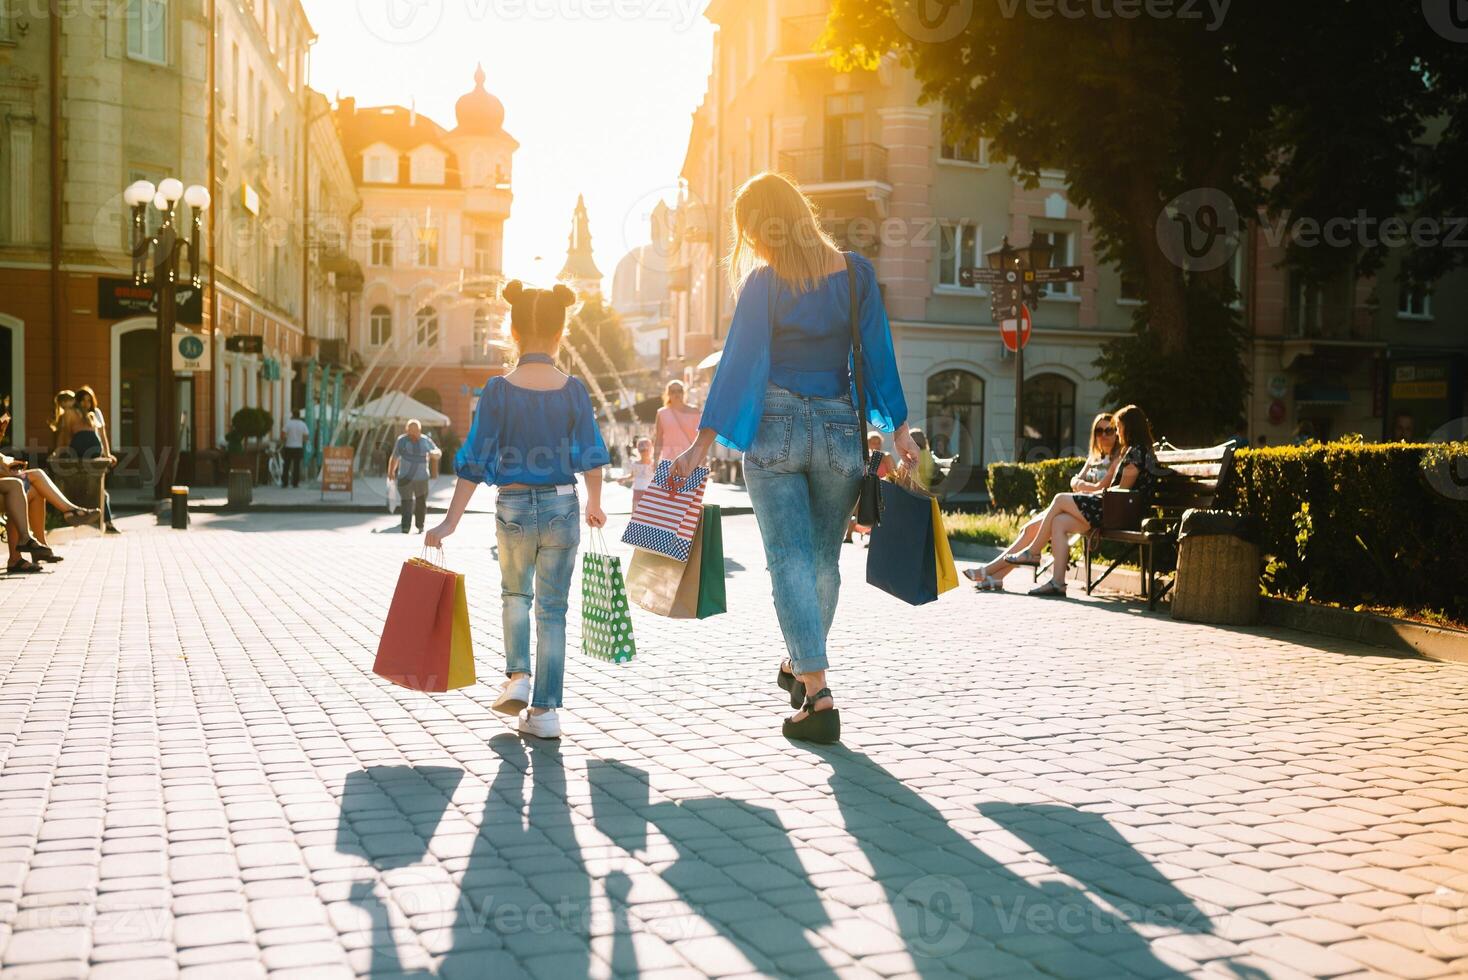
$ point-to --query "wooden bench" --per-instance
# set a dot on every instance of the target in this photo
(1192, 480)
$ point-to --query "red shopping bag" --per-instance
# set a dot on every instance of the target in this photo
(417, 638)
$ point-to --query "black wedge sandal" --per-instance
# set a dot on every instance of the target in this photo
(792, 685)
(39, 551)
(820, 727)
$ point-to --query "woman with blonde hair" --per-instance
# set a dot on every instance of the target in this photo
(783, 396)
(677, 423)
(1100, 468)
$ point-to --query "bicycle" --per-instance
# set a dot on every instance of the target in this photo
(275, 465)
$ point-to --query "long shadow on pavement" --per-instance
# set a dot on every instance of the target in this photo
(958, 908)
(731, 856)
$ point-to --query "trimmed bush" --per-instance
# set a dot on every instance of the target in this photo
(1355, 523)
(1025, 487)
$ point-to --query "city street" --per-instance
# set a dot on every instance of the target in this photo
(203, 778)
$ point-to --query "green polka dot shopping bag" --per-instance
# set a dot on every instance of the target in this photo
(606, 622)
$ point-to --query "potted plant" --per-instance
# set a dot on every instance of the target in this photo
(246, 429)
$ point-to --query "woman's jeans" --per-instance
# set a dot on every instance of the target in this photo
(804, 473)
(538, 532)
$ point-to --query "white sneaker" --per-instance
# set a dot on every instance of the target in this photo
(544, 725)
(515, 697)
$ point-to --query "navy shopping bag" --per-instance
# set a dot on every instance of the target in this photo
(902, 560)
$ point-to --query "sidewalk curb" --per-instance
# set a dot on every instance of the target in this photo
(1415, 639)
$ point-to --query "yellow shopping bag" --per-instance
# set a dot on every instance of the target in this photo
(947, 571)
(461, 648)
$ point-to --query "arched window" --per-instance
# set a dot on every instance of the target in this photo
(428, 327)
(1050, 417)
(481, 329)
(429, 397)
(955, 428)
(379, 326)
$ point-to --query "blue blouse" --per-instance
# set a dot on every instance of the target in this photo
(539, 438)
(801, 341)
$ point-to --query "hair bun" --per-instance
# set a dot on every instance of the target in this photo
(565, 294)
(513, 290)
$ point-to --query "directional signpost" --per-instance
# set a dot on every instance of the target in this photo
(1015, 277)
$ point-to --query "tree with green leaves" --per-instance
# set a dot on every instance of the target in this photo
(1312, 109)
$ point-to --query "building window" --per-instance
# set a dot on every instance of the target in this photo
(484, 253)
(975, 150)
(428, 248)
(380, 168)
(1050, 418)
(382, 248)
(5, 20)
(845, 130)
(1130, 290)
(1062, 252)
(250, 108)
(147, 30)
(379, 328)
(481, 329)
(427, 327)
(956, 427)
(1414, 301)
(1307, 307)
(960, 246)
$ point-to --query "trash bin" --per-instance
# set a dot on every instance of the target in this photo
(241, 489)
(1217, 569)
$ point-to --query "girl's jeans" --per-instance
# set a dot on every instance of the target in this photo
(538, 533)
(804, 474)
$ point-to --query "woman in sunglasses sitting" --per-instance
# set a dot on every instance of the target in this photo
(1096, 475)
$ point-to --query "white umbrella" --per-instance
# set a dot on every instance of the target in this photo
(710, 362)
(398, 407)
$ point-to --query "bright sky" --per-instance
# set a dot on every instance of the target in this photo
(600, 94)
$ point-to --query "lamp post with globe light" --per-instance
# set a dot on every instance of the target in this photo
(167, 247)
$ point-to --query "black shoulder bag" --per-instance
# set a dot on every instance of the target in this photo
(869, 504)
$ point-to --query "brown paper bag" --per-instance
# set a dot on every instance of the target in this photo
(666, 586)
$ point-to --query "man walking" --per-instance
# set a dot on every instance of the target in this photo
(414, 457)
(295, 435)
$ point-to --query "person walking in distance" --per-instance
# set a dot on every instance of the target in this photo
(295, 434)
(534, 430)
(677, 423)
(414, 459)
(783, 395)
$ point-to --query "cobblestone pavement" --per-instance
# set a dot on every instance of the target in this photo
(202, 777)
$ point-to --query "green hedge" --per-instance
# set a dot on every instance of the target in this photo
(1030, 486)
(1381, 524)
(1352, 523)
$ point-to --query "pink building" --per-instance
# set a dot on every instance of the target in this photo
(430, 242)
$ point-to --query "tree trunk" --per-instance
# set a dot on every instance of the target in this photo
(1166, 294)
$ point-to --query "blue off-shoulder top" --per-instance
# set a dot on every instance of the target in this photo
(801, 341)
(539, 438)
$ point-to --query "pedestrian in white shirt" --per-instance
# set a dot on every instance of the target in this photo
(296, 433)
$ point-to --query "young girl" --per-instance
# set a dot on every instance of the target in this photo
(533, 432)
(640, 471)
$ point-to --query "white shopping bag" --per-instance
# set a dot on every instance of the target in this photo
(393, 499)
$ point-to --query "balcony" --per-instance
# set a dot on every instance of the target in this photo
(843, 166)
(799, 35)
(487, 202)
(481, 285)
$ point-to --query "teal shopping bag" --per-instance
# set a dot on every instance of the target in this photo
(712, 599)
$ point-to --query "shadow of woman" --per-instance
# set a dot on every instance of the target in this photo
(953, 904)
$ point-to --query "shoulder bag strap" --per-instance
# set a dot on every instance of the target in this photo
(859, 374)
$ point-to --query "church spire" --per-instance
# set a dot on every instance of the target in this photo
(580, 269)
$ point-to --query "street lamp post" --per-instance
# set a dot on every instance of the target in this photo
(167, 248)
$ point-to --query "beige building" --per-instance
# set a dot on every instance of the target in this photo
(132, 93)
(889, 185)
(430, 241)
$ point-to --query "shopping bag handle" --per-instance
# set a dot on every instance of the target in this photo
(426, 556)
(599, 542)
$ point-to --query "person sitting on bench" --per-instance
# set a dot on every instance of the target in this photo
(1097, 474)
(1078, 513)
